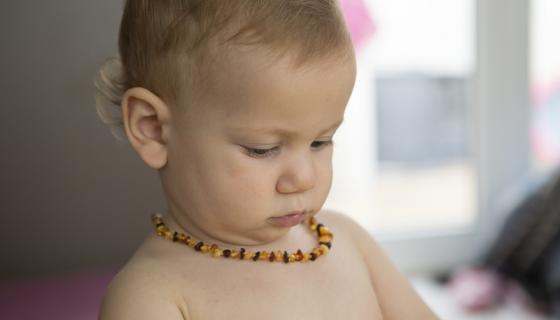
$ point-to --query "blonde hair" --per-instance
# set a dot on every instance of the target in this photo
(165, 46)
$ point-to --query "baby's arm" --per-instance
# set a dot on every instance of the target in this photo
(397, 298)
(132, 295)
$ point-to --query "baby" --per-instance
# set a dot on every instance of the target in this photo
(235, 104)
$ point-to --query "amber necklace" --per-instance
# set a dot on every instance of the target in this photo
(323, 234)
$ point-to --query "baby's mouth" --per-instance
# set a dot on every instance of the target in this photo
(289, 220)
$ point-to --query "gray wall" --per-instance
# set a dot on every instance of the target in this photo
(72, 198)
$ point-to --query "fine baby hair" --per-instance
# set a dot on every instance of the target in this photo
(172, 47)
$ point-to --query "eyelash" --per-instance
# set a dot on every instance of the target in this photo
(263, 153)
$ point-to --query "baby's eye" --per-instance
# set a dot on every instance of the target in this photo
(260, 153)
(321, 144)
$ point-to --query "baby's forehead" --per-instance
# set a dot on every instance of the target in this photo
(241, 65)
(252, 93)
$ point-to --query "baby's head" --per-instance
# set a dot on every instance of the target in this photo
(235, 104)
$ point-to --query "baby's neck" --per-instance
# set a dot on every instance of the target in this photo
(298, 237)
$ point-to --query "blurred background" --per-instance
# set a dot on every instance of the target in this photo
(454, 122)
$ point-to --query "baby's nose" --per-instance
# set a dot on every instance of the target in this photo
(298, 175)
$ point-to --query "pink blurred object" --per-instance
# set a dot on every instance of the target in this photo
(360, 23)
(76, 296)
(477, 289)
(545, 132)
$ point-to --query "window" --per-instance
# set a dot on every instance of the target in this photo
(545, 84)
(436, 133)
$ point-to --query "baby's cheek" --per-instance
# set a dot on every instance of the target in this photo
(324, 166)
(324, 177)
(248, 177)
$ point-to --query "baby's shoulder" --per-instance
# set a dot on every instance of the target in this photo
(391, 287)
(343, 225)
(141, 290)
(351, 237)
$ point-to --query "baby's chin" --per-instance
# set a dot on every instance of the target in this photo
(269, 238)
(281, 232)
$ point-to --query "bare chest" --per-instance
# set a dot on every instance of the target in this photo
(324, 289)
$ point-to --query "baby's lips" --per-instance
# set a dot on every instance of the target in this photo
(289, 220)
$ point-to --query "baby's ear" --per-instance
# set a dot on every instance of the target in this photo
(146, 120)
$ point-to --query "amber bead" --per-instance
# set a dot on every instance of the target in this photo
(167, 234)
(312, 256)
(328, 244)
(242, 253)
(264, 255)
(313, 222)
(272, 257)
(226, 253)
(326, 233)
(217, 253)
(286, 258)
(204, 248)
(319, 226)
(234, 253)
(278, 256)
(256, 256)
(249, 255)
(299, 255)
(198, 246)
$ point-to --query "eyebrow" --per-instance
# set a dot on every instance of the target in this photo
(280, 131)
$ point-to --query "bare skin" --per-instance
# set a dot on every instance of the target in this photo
(165, 280)
(258, 148)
